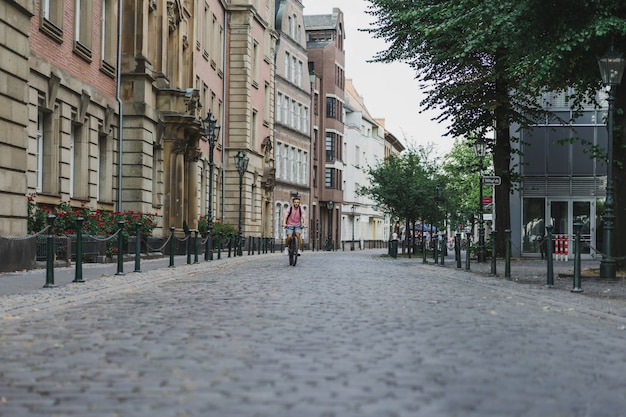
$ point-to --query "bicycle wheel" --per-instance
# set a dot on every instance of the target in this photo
(293, 251)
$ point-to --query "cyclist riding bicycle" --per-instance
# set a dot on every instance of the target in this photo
(294, 220)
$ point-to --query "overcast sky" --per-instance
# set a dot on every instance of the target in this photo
(390, 91)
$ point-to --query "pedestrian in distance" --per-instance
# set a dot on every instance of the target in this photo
(294, 220)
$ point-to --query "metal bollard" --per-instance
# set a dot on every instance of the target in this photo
(467, 254)
(187, 249)
(195, 246)
(78, 272)
(507, 261)
(120, 248)
(219, 246)
(172, 246)
(50, 253)
(443, 251)
(550, 276)
(435, 247)
(577, 227)
(457, 249)
(137, 248)
(493, 253)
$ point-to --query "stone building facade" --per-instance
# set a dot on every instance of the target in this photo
(292, 145)
(72, 119)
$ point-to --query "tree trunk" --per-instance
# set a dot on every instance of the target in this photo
(501, 164)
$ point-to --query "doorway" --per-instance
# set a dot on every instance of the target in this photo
(563, 214)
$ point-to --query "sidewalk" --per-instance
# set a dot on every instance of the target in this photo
(525, 271)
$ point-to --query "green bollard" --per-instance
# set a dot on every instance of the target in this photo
(550, 278)
(187, 243)
(219, 246)
(137, 248)
(577, 227)
(78, 273)
(443, 251)
(467, 254)
(195, 246)
(507, 262)
(50, 253)
(424, 249)
(493, 253)
(172, 246)
(457, 249)
(120, 249)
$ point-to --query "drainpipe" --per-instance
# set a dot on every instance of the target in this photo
(120, 130)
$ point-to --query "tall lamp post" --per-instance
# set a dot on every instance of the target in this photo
(480, 148)
(211, 132)
(329, 241)
(611, 69)
(241, 162)
(353, 208)
(436, 235)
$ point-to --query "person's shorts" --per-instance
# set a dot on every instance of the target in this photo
(293, 229)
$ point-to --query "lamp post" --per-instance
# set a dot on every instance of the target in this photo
(436, 235)
(611, 69)
(480, 148)
(241, 162)
(329, 241)
(211, 132)
(353, 208)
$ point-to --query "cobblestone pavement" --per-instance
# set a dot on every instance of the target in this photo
(342, 334)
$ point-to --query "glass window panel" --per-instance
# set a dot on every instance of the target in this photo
(558, 151)
(533, 228)
(583, 162)
(582, 212)
(534, 151)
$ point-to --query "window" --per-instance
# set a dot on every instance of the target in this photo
(287, 61)
(82, 28)
(330, 178)
(254, 132)
(305, 167)
(279, 104)
(292, 114)
(305, 120)
(266, 108)
(40, 150)
(255, 62)
(52, 18)
(206, 41)
(331, 107)
(299, 74)
(48, 127)
(108, 41)
(105, 168)
(294, 70)
(330, 147)
(299, 117)
(286, 111)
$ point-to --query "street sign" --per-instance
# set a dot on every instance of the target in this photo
(487, 200)
(492, 180)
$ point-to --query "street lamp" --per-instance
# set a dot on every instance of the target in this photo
(211, 132)
(611, 69)
(480, 148)
(241, 162)
(329, 241)
(436, 236)
(353, 208)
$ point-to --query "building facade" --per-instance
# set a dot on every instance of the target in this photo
(73, 119)
(14, 115)
(292, 140)
(325, 44)
(562, 182)
(364, 144)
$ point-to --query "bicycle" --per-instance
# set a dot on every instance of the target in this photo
(293, 248)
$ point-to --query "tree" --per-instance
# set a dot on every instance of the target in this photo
(462, 51)
(485, 63)
(404, 185)
(461, 172)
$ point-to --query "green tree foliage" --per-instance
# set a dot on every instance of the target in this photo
(404, 185)
(484, 64)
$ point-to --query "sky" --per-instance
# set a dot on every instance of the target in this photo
(390, 91)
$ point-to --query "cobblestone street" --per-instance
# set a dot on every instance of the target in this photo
(345, 334)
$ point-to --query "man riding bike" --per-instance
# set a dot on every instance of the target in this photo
(294, 220)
